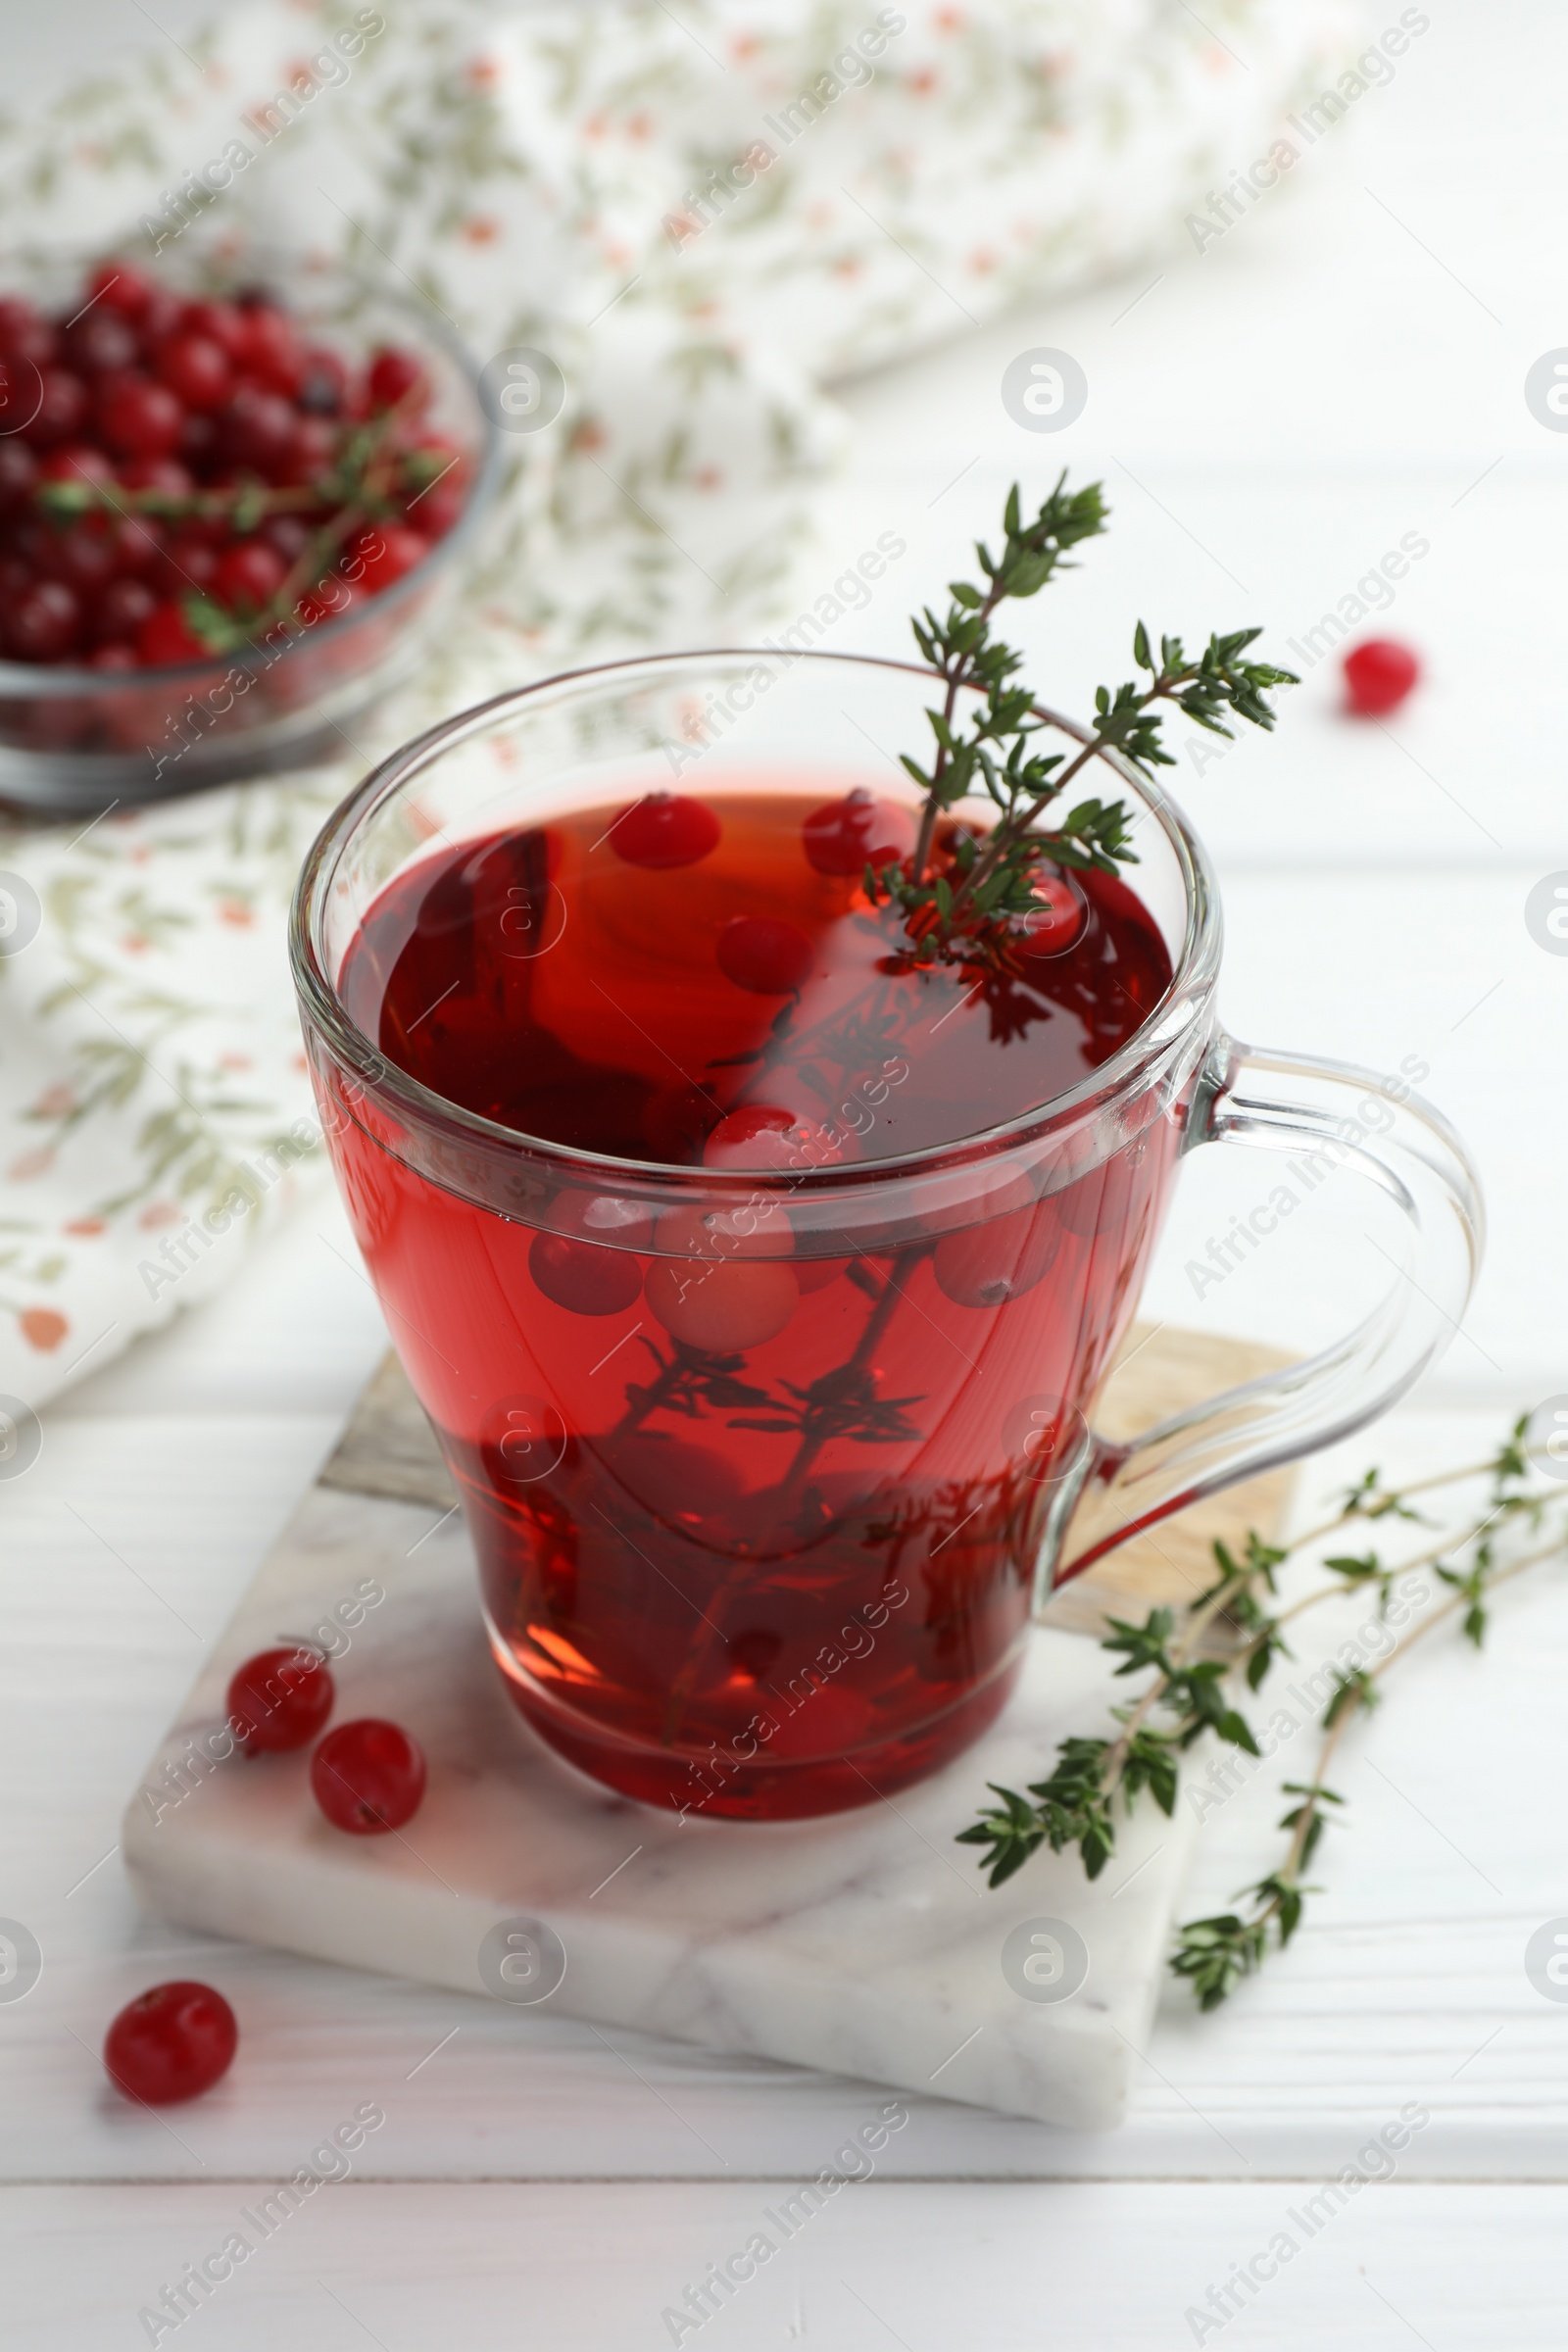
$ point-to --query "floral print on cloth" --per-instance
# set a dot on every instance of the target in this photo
(705, 215)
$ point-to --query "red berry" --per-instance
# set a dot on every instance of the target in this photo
(219, 323)
(1378, 675)
(197, 371)
(308, 457)
(271, 349)
(141, 419)
(398, 376)
(170, 2042)
(665, 829)
(387, 554)
(84, 557)
(770, 957)
(100, 343)
(440, 510)
(160, 319)
(140, 543)
(584, 1277)
(61, 413)
(248, 576)
(323, 385)
(124, 606)
(19, 471)
(44, 623)
(844, 837)
(118, 286)
(189, 562)
(114, 658)
(280, 1698)
(158, 474)
(760, 1135)
(255, 427)
(77, 461)
(199, 441)
(1054, 922)
(23, 335)
(368, 1777)
(164, 641)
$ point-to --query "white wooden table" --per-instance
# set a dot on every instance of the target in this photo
(1344, 368)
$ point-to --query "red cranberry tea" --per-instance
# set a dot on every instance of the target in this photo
(755, 1517)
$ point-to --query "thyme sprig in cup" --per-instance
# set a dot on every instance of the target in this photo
(974, 904)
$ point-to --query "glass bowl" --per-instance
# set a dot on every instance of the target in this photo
(72, 740)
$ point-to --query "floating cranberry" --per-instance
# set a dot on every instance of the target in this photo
(124, 608)
(61, 412)
(985, 1265)
(112, 658)
(845, 837)
(398, 376)
(1378, 675)
(770, 957)
(721, 1306)
(665, 829)
(368, 1777)
(141, 419)
(248, 575)
(171, 2042)
(44, 623)
(762, 1135)
(584, 1277)
(756, 1229)
(1055, 922)
(166, 641)
(196, 371)
(387, 554)
(280, 1699)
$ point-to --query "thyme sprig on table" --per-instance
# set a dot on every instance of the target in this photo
(1190, 1693)
(960, 896)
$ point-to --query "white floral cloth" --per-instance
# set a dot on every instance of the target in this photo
(705, 213)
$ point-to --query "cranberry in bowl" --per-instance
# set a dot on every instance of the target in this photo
(237, 489)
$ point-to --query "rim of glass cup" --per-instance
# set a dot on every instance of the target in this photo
(40, 680)
(1125, 1073)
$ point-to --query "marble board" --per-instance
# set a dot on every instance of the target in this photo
(866, 1944)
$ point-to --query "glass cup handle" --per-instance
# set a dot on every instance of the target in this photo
(1323, 1115)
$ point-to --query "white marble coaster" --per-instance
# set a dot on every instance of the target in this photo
(866, 1944)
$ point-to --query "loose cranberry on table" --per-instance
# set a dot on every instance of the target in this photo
(368, 1777)
(1378, 675)
(280, 1698)
(171, 2042)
